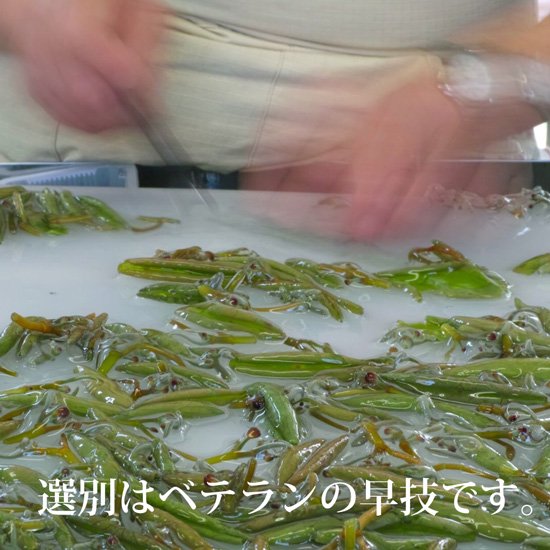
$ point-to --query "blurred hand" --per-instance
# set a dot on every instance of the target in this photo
(395, 159)
(79, 56)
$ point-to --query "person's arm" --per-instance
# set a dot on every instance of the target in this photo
(515, 32)
(397, 149)
(80, 57)
(10, 12)
(516, 52)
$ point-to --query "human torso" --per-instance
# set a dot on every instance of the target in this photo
(364, 25)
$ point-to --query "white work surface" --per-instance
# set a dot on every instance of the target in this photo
(77, 274)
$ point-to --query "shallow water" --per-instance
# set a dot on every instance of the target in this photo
(76, 274)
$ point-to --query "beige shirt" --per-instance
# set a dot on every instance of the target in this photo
(363, 25)
(257, 83)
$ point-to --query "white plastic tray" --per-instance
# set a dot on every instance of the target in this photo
(76, 274)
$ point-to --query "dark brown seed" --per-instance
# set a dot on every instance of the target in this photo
(208, 479)
(257, 403)
(253, 433)
(63, 412)
(370, 378)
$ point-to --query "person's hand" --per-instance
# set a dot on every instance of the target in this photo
(398, 158)
(395, 160)
(80, 56)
